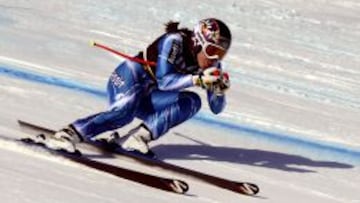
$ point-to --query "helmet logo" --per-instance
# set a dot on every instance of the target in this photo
(210, 30)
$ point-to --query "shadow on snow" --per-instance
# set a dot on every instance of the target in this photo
(253, 157)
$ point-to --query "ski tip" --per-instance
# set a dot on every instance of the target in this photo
(179, 186)
(248, 189)
(27, 140)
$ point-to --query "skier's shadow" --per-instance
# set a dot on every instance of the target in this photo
(254, 157)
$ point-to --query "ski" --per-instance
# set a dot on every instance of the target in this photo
(244, 188)
(167, 184)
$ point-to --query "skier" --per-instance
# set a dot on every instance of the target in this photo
(156, 93)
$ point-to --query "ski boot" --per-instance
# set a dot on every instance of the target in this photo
(65, 139)
(136, 141)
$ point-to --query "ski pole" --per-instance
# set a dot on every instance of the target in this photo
(135, 59)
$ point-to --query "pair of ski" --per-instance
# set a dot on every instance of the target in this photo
(167, 184)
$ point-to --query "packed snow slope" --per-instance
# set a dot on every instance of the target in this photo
(291, 124)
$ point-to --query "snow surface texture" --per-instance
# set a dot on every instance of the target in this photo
(291, 125)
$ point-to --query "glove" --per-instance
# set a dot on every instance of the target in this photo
(207, 78)
(222, 84)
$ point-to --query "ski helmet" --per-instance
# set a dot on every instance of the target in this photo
(212, 37)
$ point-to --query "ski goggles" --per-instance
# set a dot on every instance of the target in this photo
(211, 50)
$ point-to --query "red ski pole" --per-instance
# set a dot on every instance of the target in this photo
(135, 59)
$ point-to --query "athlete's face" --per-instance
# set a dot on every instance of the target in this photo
(203, 61)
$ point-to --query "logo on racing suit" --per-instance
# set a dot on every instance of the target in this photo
(175, 49)
(117, 80)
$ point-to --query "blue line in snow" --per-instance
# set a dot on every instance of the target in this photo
(322, 148)
(50, 80)
(335, 149)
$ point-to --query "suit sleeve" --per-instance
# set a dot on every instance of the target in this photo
(217, 103)
(170, 52)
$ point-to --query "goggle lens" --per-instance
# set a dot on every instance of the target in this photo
(213, 51)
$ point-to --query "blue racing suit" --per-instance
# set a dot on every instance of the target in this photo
(161, 102)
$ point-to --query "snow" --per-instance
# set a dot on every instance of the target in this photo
(291, 124)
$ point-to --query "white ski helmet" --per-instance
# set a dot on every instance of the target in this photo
(212, 37)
